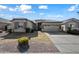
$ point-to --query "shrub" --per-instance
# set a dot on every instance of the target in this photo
(69, 28)
(74, 31)
(23, 40)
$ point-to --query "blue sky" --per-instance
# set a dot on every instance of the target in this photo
(39, 11)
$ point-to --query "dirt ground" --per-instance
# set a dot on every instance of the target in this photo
(39, 43)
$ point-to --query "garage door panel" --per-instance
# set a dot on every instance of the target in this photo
(50, 28)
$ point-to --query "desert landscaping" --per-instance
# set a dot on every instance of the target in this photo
(38, 44)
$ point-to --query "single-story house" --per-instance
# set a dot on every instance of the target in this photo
(72, 23)
(25, 25)
(21, 25)
(47, 25)
(3, 23)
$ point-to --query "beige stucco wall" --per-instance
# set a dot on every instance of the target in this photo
(75, 25)
(2, 25)
(22, 23)
(66, 25)
(11, 26)
(29, 24)
(19, 22)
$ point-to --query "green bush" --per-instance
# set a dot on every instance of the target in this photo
(23, 40)
(76, 32)
(69, 28)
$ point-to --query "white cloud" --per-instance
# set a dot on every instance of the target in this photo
(28, 12)
(22, 8)
(43, 7)
(73, 8)
(3, 7)
(1, 14)
(25, 7)
(12, 9)
(55, 16)
(59, 16)
(41, 13)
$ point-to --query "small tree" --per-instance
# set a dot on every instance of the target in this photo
(69, 28)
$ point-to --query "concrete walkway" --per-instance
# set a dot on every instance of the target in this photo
(66, 43)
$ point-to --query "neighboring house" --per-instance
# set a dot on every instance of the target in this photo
(3, 23)
(51, 26)
(47, 25)
(72, 23)
(21, 24)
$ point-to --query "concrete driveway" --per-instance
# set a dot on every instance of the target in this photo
(65, 43)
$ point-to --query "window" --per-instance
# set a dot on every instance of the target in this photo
(70, 25)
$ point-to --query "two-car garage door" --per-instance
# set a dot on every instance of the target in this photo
(50, 28)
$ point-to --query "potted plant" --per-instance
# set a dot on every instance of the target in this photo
(23, 45)
(23, 41)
